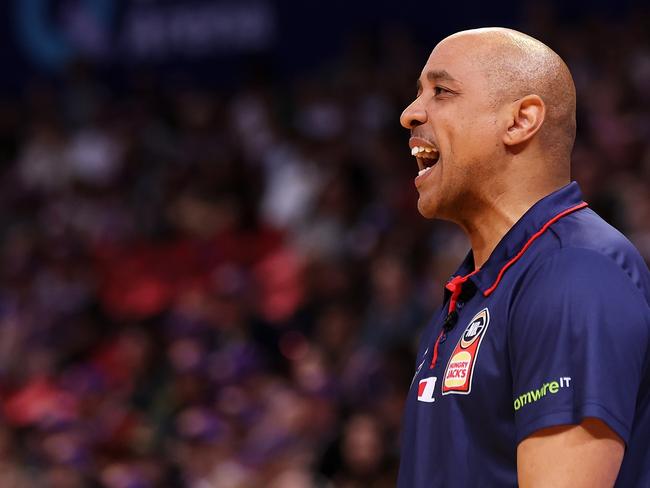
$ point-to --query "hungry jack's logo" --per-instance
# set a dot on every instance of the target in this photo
(459, 370)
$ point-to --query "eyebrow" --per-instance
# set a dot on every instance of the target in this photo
(438, 75)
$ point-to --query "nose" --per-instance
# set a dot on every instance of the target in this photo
(413, 115)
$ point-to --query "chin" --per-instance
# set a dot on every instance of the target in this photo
(427, 208)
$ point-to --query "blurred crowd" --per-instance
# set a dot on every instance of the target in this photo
(224, 288)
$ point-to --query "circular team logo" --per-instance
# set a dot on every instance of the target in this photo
(475, 328)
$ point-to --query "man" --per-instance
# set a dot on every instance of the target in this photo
(535, 370)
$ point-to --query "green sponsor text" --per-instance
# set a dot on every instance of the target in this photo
(536, 394)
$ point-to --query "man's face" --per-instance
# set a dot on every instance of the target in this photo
(456, 122)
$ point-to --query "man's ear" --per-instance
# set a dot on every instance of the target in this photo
(526, 117)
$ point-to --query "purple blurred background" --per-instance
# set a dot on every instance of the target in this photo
(213, 273)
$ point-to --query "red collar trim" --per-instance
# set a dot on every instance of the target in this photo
(528, 244)
(456, 283)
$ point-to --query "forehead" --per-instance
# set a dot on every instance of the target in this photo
(459, 57)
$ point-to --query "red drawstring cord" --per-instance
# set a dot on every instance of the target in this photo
(455, 286)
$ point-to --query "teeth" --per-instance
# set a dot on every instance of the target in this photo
(422, 171)
(423, 152)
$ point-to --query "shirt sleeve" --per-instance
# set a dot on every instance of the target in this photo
(578, 337)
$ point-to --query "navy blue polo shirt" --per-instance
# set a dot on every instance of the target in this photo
(553, 328)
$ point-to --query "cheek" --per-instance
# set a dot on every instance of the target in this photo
(475, 136)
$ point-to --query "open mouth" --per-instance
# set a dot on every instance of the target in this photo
(426, 156)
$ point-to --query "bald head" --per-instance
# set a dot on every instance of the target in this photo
(516, 65)
(496, 109)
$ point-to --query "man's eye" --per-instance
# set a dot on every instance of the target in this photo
(438, 90)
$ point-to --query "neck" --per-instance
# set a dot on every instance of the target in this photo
(497, 213)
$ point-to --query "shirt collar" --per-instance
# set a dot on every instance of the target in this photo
(548, 209)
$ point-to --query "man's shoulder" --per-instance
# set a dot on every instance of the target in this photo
(587, 230)
(586, 245)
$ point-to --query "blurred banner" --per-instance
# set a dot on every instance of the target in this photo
(50, 33)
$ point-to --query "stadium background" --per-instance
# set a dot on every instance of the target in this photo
(213, 273)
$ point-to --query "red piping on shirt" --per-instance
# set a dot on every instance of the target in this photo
(434, 359)
(529, 243)
(455, 285)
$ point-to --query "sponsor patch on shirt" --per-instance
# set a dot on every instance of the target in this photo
(426, 388)
(459, 370)
(536, 394)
